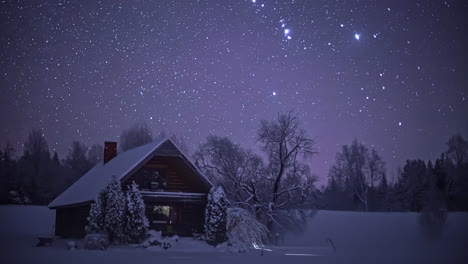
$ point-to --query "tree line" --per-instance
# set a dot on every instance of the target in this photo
(272, 184)
(357, 181)
(36, 176)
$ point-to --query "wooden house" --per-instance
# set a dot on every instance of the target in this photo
(173, 189)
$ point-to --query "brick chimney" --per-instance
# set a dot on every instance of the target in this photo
(110, 151)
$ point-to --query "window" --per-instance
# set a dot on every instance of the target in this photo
(151, 179)
(162, 214)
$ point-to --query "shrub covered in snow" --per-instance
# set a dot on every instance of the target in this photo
(107, 213)
(136, 223)
(200, 237)
(71, 245)
(216, 216)
(243, 227)
(156, 239)
(96, 241)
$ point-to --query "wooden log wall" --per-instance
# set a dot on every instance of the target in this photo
(179, 177)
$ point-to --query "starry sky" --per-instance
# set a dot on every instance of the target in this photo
(389, 73)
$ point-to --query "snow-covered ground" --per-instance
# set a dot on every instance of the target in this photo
(382, 234)
(358, 238)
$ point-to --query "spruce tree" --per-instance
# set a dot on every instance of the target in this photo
(96, 216)
(107, 212)
(115, 206)
(136, 223)
(216, 216)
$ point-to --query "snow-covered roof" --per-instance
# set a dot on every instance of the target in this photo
(89, 185)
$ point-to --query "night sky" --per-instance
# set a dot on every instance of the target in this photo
(391, 73)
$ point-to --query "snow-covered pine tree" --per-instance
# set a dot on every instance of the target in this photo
(114, 213)
(96, 216)
(216, 216)
(106, 213)
(136, 223)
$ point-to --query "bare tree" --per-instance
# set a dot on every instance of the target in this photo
(376, 166)
(95, 154)
(239, 171)
(137, 135)
(36, 145)
(457, 149)
(285, 143)
(76, 158)
(266, 189)
(36, 150)
(359, 168)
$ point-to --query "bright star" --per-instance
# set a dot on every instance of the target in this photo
(357, 36)
(286, 31)
(274, 93)
(253, 1)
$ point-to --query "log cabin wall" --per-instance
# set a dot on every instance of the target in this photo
(71, 222)
(179, 176)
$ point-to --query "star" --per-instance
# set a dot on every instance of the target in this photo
(357, 36)
(274, 93)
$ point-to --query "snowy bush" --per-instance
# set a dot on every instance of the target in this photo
(107, 213)
(136, 223)
(200, 237)
(155, 239)
(216, 216)
(96, 241)
(71, 245)
(243, 227)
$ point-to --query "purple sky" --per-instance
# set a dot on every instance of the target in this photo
(390, 73)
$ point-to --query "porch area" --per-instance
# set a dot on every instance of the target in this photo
(175, 213)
